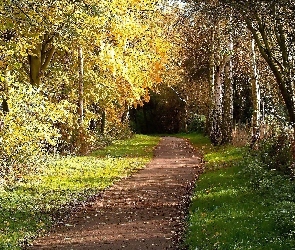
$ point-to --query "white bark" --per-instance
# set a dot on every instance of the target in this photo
(255, 93)
(227, 118)
(81, 86)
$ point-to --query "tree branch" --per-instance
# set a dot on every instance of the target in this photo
(49, 55)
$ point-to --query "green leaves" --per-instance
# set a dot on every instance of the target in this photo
(39, 71)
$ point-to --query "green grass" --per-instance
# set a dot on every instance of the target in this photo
(198, 140)
(26, 208)
(238, 205)
(215, 157)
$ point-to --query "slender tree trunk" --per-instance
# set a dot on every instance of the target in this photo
(255, 97)
(35, 66)
(284, 82)
(211, 119)
(81, 86)
(103, 122)
(210, 111)
(216, 75)
(216, 129)
(227, 116)
(126, 114)
(81, 142)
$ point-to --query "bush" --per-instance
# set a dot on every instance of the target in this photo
(266, 181)
(24, 131)
(274, 188)
(95, 140)
(197, 123)
(275, 152)
(120, 131)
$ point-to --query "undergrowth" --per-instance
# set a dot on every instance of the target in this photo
(240, 203)
(27, 208)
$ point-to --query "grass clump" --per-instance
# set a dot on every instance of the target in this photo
(239, 203)
(28, 206)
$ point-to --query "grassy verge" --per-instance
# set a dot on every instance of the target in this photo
(26, 208)
(238, 204)
(215, 157)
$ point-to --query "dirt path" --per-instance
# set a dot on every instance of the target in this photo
(144, 211)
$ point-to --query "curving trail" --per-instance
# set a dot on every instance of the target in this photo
(144, 211)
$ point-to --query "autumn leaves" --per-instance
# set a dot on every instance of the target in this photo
(124, 51)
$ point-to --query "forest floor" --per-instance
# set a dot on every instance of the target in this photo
(144, 211)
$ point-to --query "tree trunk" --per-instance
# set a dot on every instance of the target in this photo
(81, 87)
(227, 115)
(212, 119)
(216, 129)
(40, 59)
(103, 122)
(284, 81)
(35, 66)
(255, 97)
(216, 82)
(126, 114)
(211, 85)
(81, 143)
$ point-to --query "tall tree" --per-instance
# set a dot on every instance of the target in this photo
(272, 26)
(227, 115)
(124, 51)
(255, 96)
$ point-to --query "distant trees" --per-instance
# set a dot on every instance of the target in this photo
(163, 113)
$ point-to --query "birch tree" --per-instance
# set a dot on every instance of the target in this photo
(255, 96)
(227, 118)
(272, 27)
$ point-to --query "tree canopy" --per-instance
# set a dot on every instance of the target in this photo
(71, 71)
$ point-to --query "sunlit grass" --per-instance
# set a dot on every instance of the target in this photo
(222, 157)
(227, 212)
(198, 140)
(138, 146)
(215, 157)
(26, 208)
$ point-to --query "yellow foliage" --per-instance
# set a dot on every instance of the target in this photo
(125, 53)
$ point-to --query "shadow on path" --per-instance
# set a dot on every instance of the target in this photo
(144, 211)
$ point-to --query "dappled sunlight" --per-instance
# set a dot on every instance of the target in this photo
(213, 193)
(227, 213)
(146, 210)
(27, 207)
(79, 79)
(133, 148)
